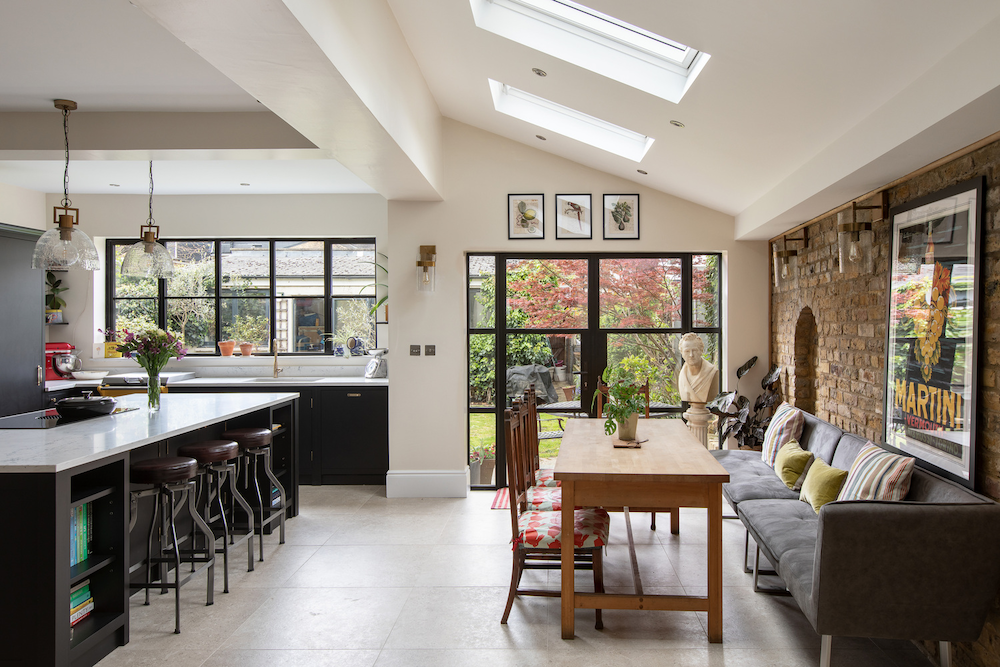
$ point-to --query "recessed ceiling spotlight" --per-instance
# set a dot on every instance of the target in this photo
(538, 136)
(114, 185)
(643, 172)
(245, 184)
(677, 123)
(539, 72)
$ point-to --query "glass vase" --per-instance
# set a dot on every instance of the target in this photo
(153, 392)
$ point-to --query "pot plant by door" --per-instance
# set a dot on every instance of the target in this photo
(625, 381)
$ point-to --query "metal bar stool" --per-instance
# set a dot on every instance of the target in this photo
(255, 444)
(170, 475)
(216, 463)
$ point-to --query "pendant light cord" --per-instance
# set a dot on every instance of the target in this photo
(65, 200)
(149, 220)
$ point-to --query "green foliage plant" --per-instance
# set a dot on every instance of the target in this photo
(734, 410)
(52, 300)
(625, 381)
(376, 285)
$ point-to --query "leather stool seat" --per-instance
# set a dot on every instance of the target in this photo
(210, 451)
(164, 470)
(249, 438)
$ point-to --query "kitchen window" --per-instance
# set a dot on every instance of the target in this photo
(309, 295)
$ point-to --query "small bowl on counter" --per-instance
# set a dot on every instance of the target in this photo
(89, 375)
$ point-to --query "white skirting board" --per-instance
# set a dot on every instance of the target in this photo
(427, 483)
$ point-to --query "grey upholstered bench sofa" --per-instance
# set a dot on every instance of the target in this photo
(924, 568)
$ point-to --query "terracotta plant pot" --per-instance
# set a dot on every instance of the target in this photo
(226, 347)
(246, 349)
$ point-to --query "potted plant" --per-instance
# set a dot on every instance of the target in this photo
(625, 381)
(487, 453)
(53, 302)
(734, 410)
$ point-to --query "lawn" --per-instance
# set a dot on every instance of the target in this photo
(482, 431)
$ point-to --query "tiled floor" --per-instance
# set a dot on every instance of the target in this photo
(366, 581)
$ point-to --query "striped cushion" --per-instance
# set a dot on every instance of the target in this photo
(543, 530)
(877, 475)
(785, 425)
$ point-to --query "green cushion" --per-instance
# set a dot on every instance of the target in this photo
(791, 464)
(822, 484)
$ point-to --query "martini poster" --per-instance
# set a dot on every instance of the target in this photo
(931, 341)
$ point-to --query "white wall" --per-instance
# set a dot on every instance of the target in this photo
(428, 395)
(203, 216)
(23, 208)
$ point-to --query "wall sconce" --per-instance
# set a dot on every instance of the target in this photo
(855, 238)
(786, 267)
(425, 268)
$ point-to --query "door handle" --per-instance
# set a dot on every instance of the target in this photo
(39, 376)
(354, 395)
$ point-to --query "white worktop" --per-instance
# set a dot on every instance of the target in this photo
(241, 381)
(291, 381)
(63, 447)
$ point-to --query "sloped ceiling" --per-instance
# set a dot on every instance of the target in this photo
(801, 107)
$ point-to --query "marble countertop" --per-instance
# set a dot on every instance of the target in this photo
(64, 447)
(289, 381)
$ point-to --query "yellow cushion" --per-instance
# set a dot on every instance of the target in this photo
(790, 464)
(822, 484)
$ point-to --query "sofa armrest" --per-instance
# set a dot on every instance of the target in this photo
(905, 570)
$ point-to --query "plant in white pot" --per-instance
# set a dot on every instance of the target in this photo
(625, 381)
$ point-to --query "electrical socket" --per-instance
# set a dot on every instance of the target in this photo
(414, 350)
(429, 350)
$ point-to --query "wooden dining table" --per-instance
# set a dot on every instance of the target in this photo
(670, 468)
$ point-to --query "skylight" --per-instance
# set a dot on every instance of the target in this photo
(569, 122)
(595, 41)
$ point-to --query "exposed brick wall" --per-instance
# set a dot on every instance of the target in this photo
(850, 315)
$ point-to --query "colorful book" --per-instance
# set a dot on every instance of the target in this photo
(89, 600)
(78, 596)
(82, 612)
(72, 536)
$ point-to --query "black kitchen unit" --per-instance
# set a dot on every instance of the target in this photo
(22, 302)
(343, 430)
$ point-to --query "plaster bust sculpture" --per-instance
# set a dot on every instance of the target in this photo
(698, 381)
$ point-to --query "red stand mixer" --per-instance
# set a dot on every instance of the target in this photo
(60, 362)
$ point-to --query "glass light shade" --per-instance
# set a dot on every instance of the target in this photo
(62, 248)
(147, 259)
(426, 266)
(785, 266)
(855, 251)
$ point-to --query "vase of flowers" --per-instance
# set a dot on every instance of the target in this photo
(152, 349)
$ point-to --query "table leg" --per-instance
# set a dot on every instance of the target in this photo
(567, 558)
(715, 563)
(675, 520)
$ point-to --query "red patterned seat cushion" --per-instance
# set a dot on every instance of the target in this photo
(545, 498)
(544, 477)
(543, 530)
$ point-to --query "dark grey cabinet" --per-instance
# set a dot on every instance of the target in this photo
(343, 431)
(22, 304)
(353, 434)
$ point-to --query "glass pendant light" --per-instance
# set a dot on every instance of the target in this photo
(147, 258)
(65, 246)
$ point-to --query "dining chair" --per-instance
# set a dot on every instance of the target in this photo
(537, 535)
(535, 435)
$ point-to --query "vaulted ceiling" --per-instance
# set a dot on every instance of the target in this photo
(802, 106)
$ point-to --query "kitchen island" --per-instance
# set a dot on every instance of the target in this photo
(48, 473)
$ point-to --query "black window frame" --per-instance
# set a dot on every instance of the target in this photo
(162, 297)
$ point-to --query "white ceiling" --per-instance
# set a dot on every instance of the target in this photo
(802, 106)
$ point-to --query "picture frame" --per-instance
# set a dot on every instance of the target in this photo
(525, 217)
(573, 217)
(621, 217)
(932, 341)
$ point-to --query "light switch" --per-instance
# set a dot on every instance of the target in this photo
(414, 350)
(429, 350)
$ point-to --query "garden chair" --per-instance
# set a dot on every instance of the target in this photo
(537, 535)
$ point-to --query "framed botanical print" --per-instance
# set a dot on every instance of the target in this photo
(621, 216)
(933, 320)
(525, 216)
(573, 217)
